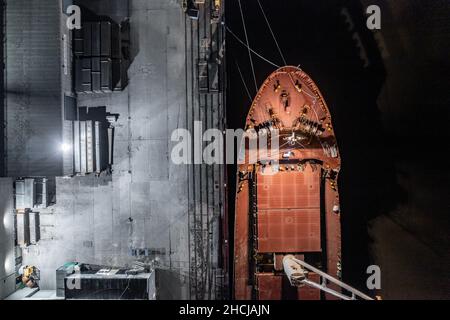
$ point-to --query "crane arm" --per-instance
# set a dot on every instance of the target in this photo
(297, 272)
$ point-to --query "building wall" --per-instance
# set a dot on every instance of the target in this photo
(7, 270)
(33, 88)
(66, 87)
(2, 92)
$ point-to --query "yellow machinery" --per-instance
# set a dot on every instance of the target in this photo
(30, 276)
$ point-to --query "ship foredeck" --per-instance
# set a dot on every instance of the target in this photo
(287, 202)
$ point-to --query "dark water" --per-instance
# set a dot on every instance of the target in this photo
(390, 118)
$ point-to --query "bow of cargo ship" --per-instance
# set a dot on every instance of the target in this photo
(287, 202)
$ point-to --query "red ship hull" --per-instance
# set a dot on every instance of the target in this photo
(288, 204)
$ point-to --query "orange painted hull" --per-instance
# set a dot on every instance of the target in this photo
(288, 204)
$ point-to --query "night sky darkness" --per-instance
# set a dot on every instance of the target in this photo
(374, 140)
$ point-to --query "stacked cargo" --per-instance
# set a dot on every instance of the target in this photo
(35, 227)
(87, 147)
(98, 59)
(28, 228)
(25, 194)
(23, 227)
(30, 193)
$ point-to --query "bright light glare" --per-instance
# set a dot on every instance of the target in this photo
(65, 147)
(7, 221)
(9, 263)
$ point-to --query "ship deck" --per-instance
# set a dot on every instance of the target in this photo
(287, 204)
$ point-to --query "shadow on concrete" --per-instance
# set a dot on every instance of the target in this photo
(116, 12)
(169, 285)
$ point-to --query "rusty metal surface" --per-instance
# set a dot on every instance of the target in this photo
(288, 196)
(241, 288)
(269, 97)
(289, 212)
(293, 189)
(293, 230)
(308, 293)
(333, 234)
(270, 287)
(277, 287)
